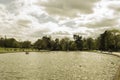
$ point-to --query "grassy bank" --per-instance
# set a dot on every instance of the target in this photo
(10, 50)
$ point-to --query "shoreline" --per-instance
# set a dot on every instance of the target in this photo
(10, 50)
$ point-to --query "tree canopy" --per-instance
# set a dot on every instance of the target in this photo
(109, 40)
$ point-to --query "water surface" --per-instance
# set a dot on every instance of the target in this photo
(58, 66)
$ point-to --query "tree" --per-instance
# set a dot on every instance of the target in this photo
(2, 42)
(64, 44)
(72, 46)
(109, 40)
(11, 43)
(46, 43)
(115, 39)
(26, 44)
(56, 45)
(43, 44)
(78, 41)
(90, 44)
(37, 44)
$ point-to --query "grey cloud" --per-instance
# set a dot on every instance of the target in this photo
(15, 6)
(23, 23)
(103, 23)
(68, 8)
(115, 7)
(43, 18)
(10, 30)
(6, 1)
(71, 24)
(94, 33)
(80, 33)
(98, 31)
(40, 33)
(61, 33)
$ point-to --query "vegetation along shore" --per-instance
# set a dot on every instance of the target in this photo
(107, 41)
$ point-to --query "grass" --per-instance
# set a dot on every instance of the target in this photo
(10, 50)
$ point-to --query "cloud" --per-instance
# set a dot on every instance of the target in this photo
(68, 8)
(30, 20)
(23, 22)
(43, 18)
(115, 7)
(61, 33)
(102, 23)
(6, 1)
(39, 33)
(71, 24)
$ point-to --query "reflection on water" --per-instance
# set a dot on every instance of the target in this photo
(58, 66)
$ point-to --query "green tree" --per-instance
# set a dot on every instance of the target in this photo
(56, 44)
(11, 43)
(109, 40)
(64, 44)
(78, 41)
(2, 42)
(90, 44)
(43, 44)
(37, 44)
(26, 44)
(46, 43)
(72, 46)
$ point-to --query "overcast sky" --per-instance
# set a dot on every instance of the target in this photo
(31, 19)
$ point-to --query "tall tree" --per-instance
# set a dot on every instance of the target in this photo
(78, 41)
(37, 44)
(26, 44)
(64, 44)
(90, 44)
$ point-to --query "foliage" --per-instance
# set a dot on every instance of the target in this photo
(109, 40)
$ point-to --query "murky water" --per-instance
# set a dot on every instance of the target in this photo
(58, 66)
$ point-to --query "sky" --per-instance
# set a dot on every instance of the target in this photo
(32, 19)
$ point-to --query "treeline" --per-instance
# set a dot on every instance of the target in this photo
(109, 40)
(13, 43)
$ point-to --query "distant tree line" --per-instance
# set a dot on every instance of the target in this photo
(13, 43)
(109, 40)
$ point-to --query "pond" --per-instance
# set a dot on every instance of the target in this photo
(58, 66)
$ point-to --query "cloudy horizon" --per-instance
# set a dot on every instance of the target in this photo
(32, 19)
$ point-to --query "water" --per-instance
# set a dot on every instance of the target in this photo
(58, 66)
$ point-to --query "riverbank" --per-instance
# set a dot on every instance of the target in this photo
(12, 50)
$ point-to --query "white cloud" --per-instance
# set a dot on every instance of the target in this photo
(32, 19)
